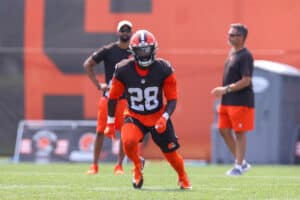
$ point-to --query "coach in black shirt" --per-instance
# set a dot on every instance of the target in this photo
(236, 111)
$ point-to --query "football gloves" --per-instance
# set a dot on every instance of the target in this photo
(161, 123)
(110, 131)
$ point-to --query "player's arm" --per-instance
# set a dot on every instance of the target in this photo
(170, 91)
(239, 85)
(246, 70)
(88, 66)
(116, 91)
(233, 87)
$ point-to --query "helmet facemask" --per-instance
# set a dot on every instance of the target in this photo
(144, 54)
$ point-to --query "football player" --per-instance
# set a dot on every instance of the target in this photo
(145, 80)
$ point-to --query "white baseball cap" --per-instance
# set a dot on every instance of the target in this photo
(123, 23)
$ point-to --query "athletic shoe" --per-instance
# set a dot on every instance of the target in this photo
(246, 166)
(93, 170)
(137, 180)
(184, 183)
(234, 172)
(118, 170)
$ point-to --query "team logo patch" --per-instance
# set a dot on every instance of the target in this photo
(86, 142)
(44, 141)
(240, 125)
(171, 145)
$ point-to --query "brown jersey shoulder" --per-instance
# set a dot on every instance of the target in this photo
(166, 65)
(124, 62)
(164, 62)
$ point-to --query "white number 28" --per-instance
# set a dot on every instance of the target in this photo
(148, 95)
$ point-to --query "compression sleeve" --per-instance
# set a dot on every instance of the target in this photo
(117, 89)
(170, 87)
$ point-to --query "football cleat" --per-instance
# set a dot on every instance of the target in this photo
(137, 180)
(93, 170)
(118, 170)
(184, 183)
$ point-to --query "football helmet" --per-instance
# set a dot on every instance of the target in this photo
(143, 46)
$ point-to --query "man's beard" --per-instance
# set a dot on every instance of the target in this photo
(124, 38)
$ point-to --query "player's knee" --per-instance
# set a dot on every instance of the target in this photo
(129, 144)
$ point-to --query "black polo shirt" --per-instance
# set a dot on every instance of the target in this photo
(110, 54)
(238, 65)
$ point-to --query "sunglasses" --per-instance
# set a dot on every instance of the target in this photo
(234, 35)
(125, 30)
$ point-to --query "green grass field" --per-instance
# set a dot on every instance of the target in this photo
(69, 182)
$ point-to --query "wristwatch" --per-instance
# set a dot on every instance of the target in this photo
(228, 89)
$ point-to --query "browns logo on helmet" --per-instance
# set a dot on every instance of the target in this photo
(143, 46)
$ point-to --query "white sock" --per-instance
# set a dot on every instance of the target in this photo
(243, 162)
(238, 167)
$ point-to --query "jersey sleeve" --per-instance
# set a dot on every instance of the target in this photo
(99, 55)
(117, 89)
(246, 64)
(170, 87)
